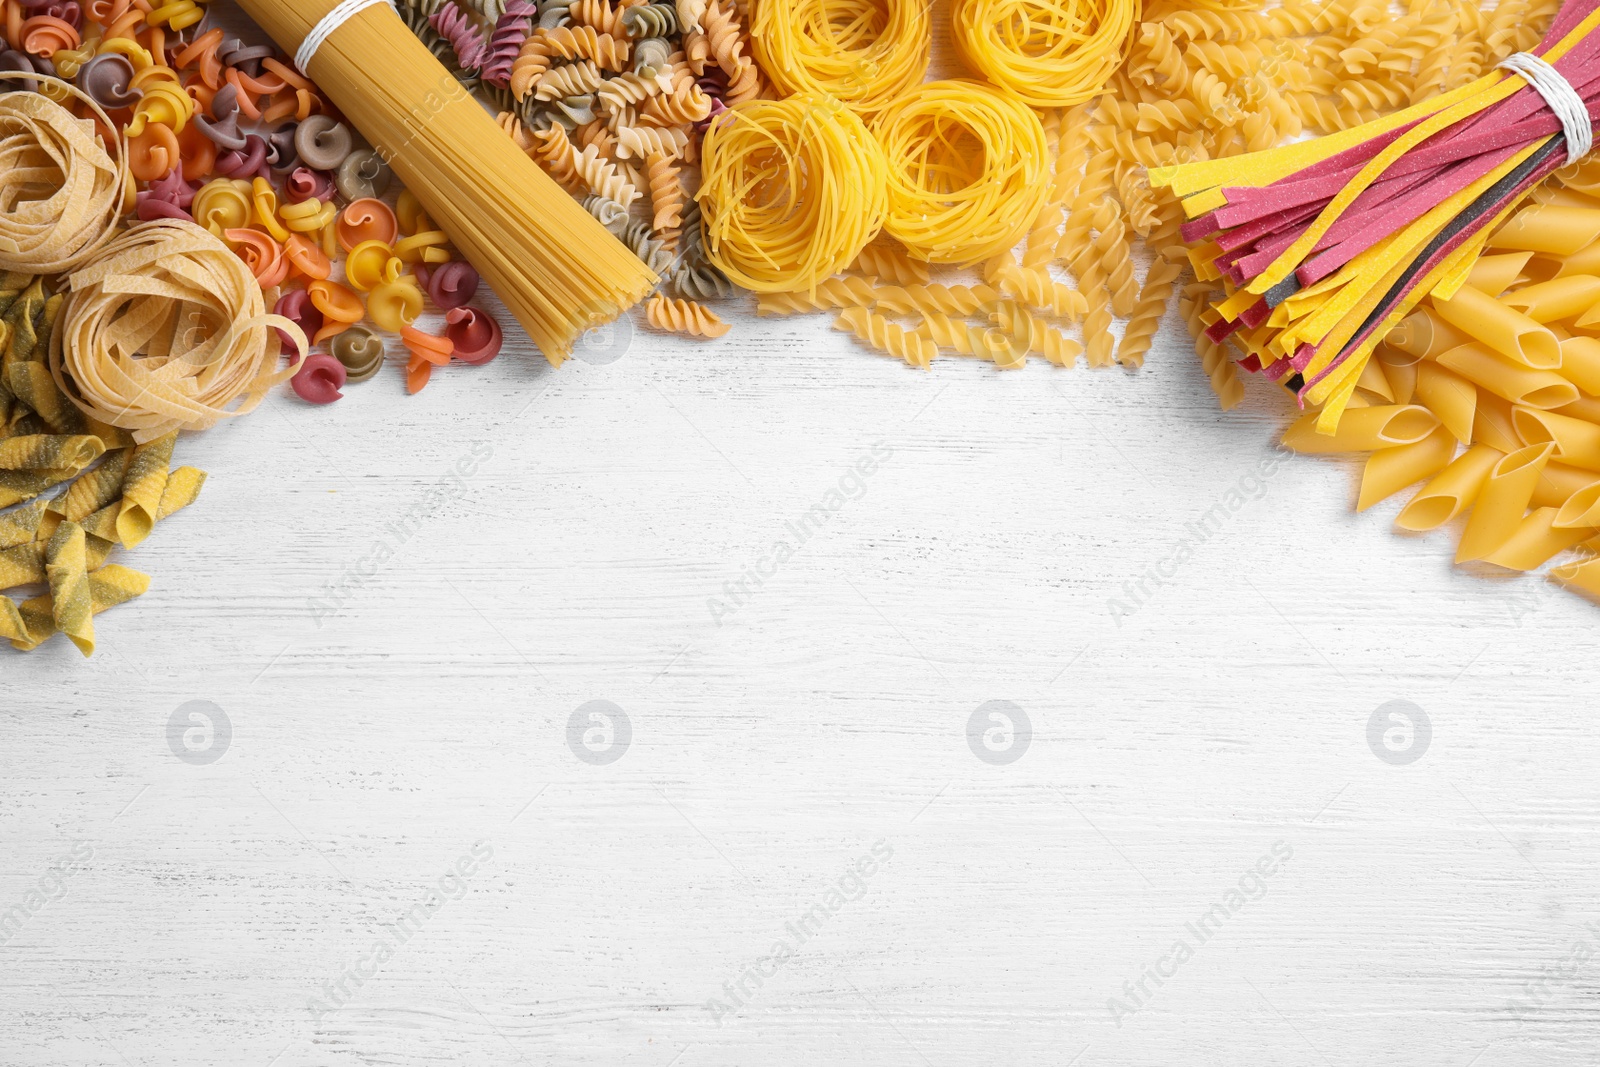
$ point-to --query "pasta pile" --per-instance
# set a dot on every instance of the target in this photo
(1214, 79)
(1431, 297)
(967, 171)
(115, 489)
(550, 262)
(230, 136)
(1492, 397)
(611, 99)
(1325, 245)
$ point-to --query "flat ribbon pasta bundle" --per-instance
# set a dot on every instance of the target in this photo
(1051, 53)
(1325, 246)
(60, 192)
(167, 329)
(968, 170)
(864, 53)
(791, 191)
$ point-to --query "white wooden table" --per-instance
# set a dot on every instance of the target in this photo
(626, 907)
(794, 835)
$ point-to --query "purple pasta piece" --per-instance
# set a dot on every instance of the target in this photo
(222, 131)
(249, 163)
(65, 10)
(247, 58)
(22, 63)
(281, 151)
(150, 208)
(303, 184)
(714, 83)
(106, 79)
(296, 306)
(510, 31)
(449, 285)
(457, 27)
(172, 189)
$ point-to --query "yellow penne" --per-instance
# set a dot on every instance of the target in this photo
(1510, 380)
(1536, 541)
(1390, 470)
(1451, 493)
(1556, 299)
(1580, 363)
(1501, 328)
(1583, 575)
(1502, 501)
(1559, 483)
(1576, 441)
(1552, 229)
(1425, 335)
(1494, 274)
(1449, 396)
(1402, 378)
(1364, 430)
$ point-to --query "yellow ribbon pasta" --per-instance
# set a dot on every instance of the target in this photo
(791, 191)
(968, 170)
(167, 329)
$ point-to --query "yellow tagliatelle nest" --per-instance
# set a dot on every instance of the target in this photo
(166, 329)
(1051, 53)
(60, 192)
(863, 53)
(968, 170)
(791, 191)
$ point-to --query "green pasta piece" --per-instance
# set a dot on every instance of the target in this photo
(23, 316)
(12, 626)
(17, 486)
(32, 452)
(71, 602)
(142, 488)
(21, 526)
(22, 565)
(109, 586)
(102, 523)
(97, 488)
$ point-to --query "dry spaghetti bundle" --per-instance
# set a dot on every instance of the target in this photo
(1324, 246)
(556, 268)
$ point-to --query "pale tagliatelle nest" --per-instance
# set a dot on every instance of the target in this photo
(166, 329)
(60, 192)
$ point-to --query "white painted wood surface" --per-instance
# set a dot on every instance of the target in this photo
(204, 913)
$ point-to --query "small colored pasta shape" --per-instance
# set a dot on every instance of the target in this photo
(684, 316)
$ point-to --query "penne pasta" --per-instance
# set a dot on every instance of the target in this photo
(1449, 396)
(1390, 470)
(1575, 441)
(1451, 493)
(1501, 328)
(1536, 541)
(1502, 499)
(1364, 430)
(1510, 380)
